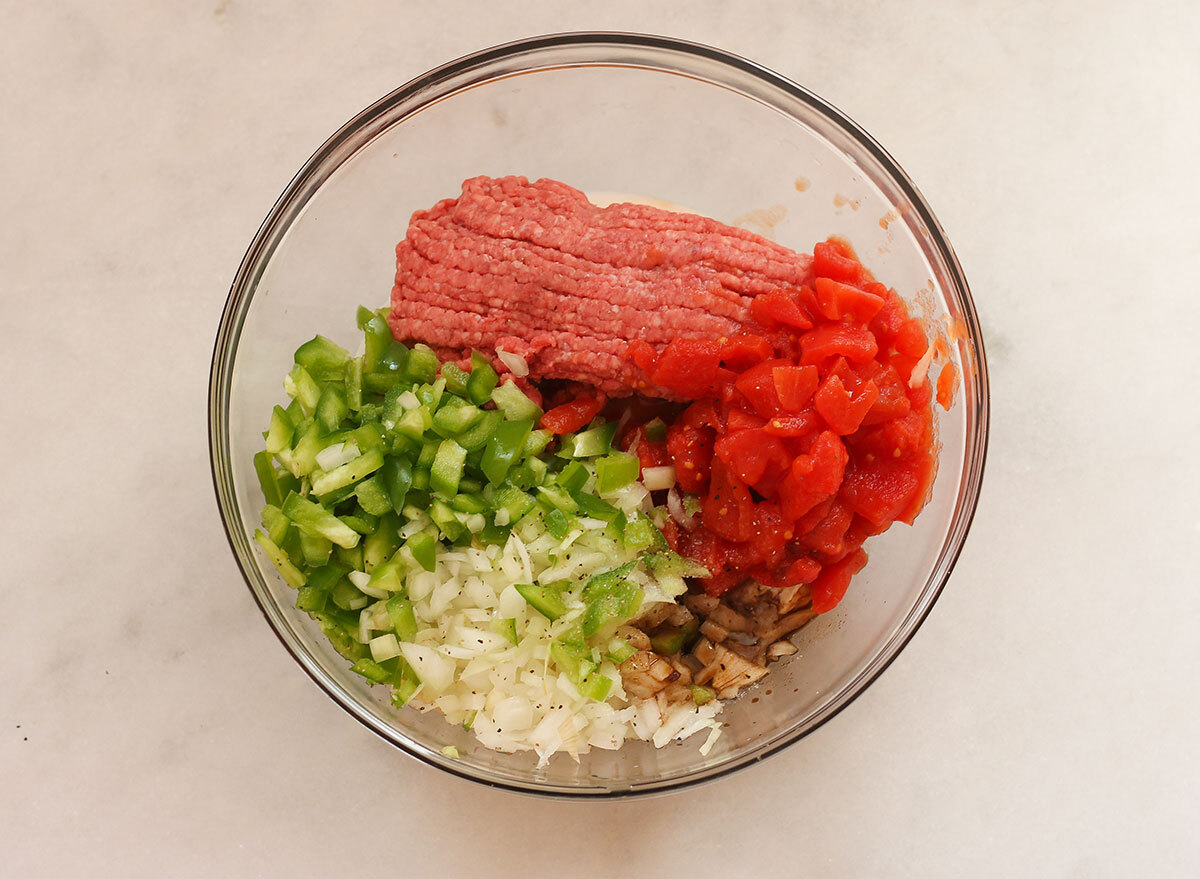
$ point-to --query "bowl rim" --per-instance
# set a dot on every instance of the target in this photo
(325, 161)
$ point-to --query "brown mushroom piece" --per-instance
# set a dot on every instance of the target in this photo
(644, 674)
(726, 670)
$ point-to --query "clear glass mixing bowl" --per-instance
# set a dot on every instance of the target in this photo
(606, 113)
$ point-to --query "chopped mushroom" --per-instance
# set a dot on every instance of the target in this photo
(726, 669)
(644, 674)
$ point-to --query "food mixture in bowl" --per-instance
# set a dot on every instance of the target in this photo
(593, 466)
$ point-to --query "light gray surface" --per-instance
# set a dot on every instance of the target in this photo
(1042, 722)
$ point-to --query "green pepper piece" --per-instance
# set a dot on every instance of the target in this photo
(300, 385)
(553, 497)
(404, 683)
(610, 597)
(477, 436)
(483, 379)
(414, 423)
(311, 600)
(323, 578)
(404, 621)
(557, 524)
(423, 546)
(267, 480)
(373, 496)
(422, 365)
(656, 430)
(378, 336)
(594, 442)
(279, 435)
(573, 660)
(595, 686)
(394, 360)
(537, 442)
(494, 535)
(451, 420)
(396, 475)
(354, 386)
(445, 520)
(546, 600)
(515, 405)
(467, 503)
(290, 573)
(352, 471)
(324, 360)
(447, 468)
(316, 550)
(595, 508)
(382, 543)
(456, 379)
(507, 628)
(702, 695)
(667, 642)
(502, 449)
(380, 383)
(641, 534)
(314, 519)
(343, 642)
(371, 670)
(276, 523)
(345, 595)
(331, 408)
(428, 452)
(620, 650)
(615, 471)
(573, 477)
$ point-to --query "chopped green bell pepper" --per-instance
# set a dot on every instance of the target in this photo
(503, 448)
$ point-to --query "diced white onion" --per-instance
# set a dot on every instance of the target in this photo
(658, 478)
(409, 400)
(433, 669)
(675, 508)
(515, 362)
(334, 456)
(384, 647)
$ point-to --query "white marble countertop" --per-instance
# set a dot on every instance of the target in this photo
(1043, 721)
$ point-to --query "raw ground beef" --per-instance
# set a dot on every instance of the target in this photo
(539, 271)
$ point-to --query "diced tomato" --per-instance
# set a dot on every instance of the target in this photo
(839, 301)
(910, 339)
(777, 308)
(794, 385)
(702, 413)
(893, 399)
(802, 570)
(924, 468)
(804, 424)
(814, 477)
(727, 510)
(880, 489)
(842, 412)
(830, 586)
(771, 534)
(643, 355)
(687, 367)
(946, 384)
(757, 385)
(744, 350)
(570, 417)
(886, 324)
(748, 453)
(740, 420)
(829, 261)
(649, 453)
(691, 451)
(826, 537)
(831, 340)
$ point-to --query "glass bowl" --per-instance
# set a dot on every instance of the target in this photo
(608, 113)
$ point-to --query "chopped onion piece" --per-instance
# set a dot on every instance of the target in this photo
(336, 455)
(515, 362)
(921, 370)
(384, 647)
(658, 478)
